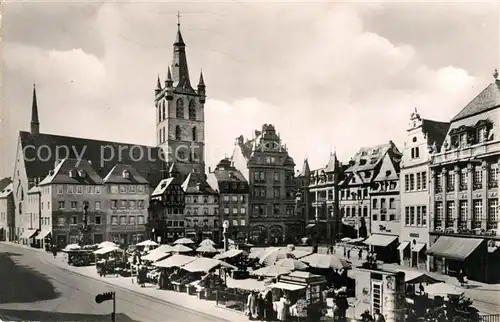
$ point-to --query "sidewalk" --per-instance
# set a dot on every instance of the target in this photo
(189, 302)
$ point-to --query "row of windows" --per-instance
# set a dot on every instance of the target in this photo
(124, 220)
(179, 111)
(416, 216)
(162, 134)
(384, 217)
(206, 211)
(115, 189)
(383, 205)
(354, 195)
(3, 216)
(201, 199)
(46, 221)
(463, 181)
(353, 211)
(235, 211)
(240, 222)
(195, 222)
(127, 204)
(415, 153)
(261, 210)
(239, 198)
(463, 211)
(322, 195)
(127, 220)
(416, 181)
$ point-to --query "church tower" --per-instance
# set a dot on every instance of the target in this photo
(180, 123)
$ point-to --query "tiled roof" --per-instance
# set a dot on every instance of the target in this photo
(162, 186)
(116, 175)
(305, 169)
(6, 190)
(34, 189)
(5, 182)
(368, 158)
(489, 98)
(97, 152)
(196, 183)
(83, 173)
(436, 131)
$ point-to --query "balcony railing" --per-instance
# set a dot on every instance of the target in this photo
(467, 232)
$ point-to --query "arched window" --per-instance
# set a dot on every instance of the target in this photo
(177, 132)
(194, 134)
(180, 109)
(159, 136)
(159, 113)
(192, 111)
(163, 135)
(163, 108)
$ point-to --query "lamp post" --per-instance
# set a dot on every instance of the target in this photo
(225, 226)
(85, 228)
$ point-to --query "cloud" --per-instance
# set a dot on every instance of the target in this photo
(319, 73)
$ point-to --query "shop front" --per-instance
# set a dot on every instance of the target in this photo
(452, 254)
(43, 239)
(384, 246)
(127, 226)
(28, 237)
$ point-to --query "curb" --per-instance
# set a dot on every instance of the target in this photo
(144, 296)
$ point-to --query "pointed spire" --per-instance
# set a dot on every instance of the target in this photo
(495, 74)
(158, 85)
(201, 83)
(168, 80)
(305, 169)
(180, 72)
(35, 124)
(178, 39)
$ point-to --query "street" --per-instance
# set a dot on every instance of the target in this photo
(33, 289)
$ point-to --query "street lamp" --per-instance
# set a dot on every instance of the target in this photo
(225, 226)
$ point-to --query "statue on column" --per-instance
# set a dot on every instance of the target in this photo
(84, 235)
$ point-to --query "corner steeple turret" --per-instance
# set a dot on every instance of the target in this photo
(201, 89)
(158, 86)
(169, 85)
(35, 123)
(180, 72)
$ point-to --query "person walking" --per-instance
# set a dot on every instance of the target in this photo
(378, 317)
(360, 253)
(349, 254)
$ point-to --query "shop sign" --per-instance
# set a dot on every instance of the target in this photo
(414, 235)
(302, 280)
(128, 212)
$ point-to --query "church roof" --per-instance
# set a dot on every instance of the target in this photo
(4, 183)
(488, 99)
(95, 151)
(117, 175)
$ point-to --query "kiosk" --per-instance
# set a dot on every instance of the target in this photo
(384, 291)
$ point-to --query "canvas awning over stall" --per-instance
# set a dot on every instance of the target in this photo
(380, 240)
(287, 286)
(418, 247)
(44, 233)
(454, 247)
(403, 245)
(28, 233)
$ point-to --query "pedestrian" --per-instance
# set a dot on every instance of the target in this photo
(360, 253)
(54, 251)
(331, 249)
(349, 254)
(261, 307)
(421, 289)
(269, 306)
(345, 252)
(378, 317)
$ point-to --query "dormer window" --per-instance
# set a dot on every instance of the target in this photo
(367, 174)
(72, 173)
(388, 173)
(463, 139)
(81, 173)
(126, 174)
(481, 134)
(362, 162)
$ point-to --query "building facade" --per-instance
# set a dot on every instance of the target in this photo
(233, 198)
(166, 221)
(355, 187)
(201, 213)
(424, 137)
(72, 185)
(125, 205)
(181, 115)
(464, 180)
(303, 205)
(264, 161)
(324, 220)
(33, 217)
(7, 225)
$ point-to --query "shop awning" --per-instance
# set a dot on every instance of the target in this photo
(28, 233)
(454, 247)
(287, 286)
(175, 261)
(380, 240)
(203, 264)
(418, 247)
(414, 277)
(310, 225)
(44, 233)
(403, 245)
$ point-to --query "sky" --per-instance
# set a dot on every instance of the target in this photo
(328, 75)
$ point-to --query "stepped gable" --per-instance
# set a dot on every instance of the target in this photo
(94, 151)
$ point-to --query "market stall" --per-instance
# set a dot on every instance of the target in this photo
(200, 267)
(110, 260)
(299, 285)
(175, 276)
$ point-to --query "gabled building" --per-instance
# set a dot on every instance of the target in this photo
(359, 175)
(166, 221)
(464, 215)
(303, 206)
(71, 186)
(202, 208)
(424, 138)
(264, 161)
(324, 221)
(7, 226)
(125, 205)
(33, 218)
(38, 153)
(233, 198)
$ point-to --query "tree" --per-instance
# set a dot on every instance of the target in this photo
(460, 309)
